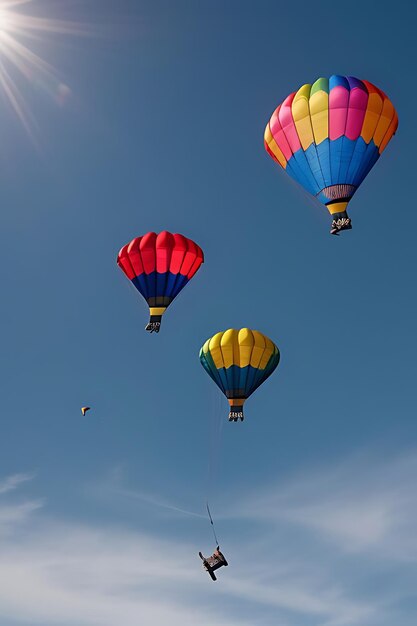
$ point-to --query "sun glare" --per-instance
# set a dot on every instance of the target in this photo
(3, 20)
(18, 28)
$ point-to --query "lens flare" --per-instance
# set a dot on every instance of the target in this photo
(18, 30)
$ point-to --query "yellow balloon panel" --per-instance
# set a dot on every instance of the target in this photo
(319, 113)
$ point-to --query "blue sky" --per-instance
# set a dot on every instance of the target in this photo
(314, 494)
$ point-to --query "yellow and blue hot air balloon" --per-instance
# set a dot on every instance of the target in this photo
(239, 361)
(329, 135)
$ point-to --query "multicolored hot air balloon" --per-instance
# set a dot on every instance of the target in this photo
(329, 135)
(159, 266)
(239, 361)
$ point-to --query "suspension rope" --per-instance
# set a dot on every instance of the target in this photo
(212, 524)
(215, 429)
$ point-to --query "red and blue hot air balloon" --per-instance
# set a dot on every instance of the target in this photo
(159, 266)
(329, 135)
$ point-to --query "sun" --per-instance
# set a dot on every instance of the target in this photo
(19, 27)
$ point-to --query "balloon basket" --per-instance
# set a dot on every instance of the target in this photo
(154, 324)
(236, 413)
(340, 222)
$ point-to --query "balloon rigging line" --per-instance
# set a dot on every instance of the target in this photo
(212, 524)
(217, 432)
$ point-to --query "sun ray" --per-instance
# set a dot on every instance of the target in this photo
(17, 101)
(17, 28)
(23, 58)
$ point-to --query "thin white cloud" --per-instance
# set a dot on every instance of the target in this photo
(81, 576)
(10, 515)
(13, 482)
(363, 504)
(311, 597)
(71, 574)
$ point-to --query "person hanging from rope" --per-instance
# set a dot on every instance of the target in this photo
(217, 560)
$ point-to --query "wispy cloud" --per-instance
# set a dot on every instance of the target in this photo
(80, 574)
(363, 504)
(13, 482)
(338, 545)
(14, 514)
(324, 548)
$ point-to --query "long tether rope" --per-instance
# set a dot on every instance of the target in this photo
(212, 524)
(216, 431)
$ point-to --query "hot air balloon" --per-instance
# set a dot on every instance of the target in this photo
(159, 266)
(84, 409)
(239, 361)
(328, 136)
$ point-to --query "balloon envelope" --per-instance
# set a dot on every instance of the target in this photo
(159, 266)
(239, 361)
(327, 136)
